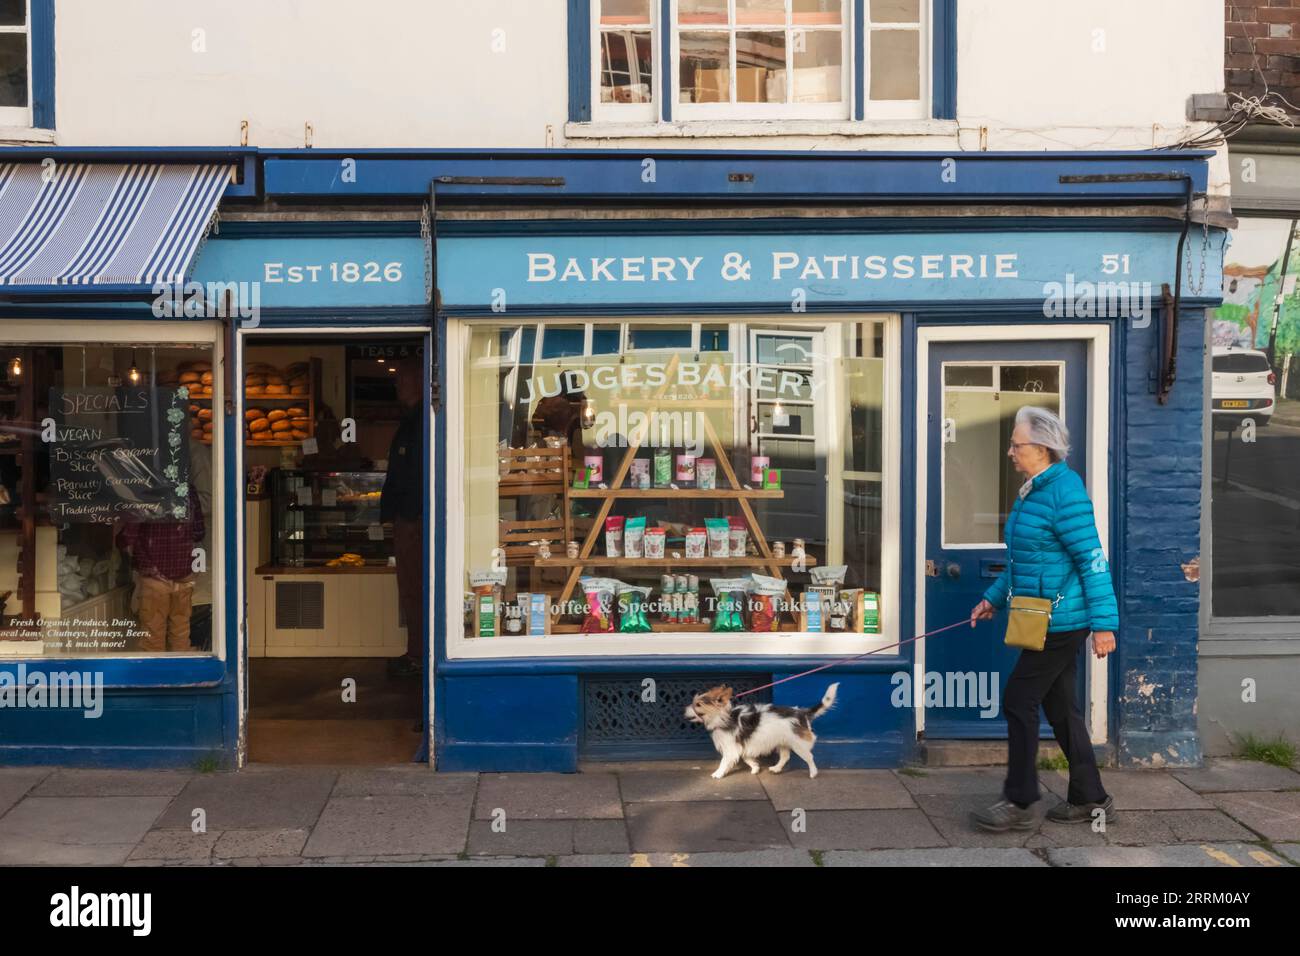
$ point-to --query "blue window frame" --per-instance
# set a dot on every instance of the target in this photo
(942, 57)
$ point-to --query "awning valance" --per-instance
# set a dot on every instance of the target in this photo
(122, 225)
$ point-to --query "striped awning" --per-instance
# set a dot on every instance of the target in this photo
(100, 224)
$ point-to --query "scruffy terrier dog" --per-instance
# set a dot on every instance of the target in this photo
(749, 731)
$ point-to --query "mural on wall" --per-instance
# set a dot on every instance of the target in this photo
(1253, 275)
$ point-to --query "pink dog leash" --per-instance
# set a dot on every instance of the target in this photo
(847, 660)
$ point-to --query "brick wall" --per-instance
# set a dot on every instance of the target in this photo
(1273, 28)
(1161, 502)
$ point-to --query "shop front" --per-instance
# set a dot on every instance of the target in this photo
(208, 554)
(736, 449)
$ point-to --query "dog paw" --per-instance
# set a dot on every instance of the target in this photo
(755, 769)
(775, 769)
(717, 775)
(812, 773)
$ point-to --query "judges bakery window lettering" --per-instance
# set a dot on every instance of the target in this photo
(703, 479)
(106, 487)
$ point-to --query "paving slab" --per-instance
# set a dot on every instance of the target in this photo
(1289, 850)
(414, 781)
(1224, 774)
(351, 826)
(548, 838)
(113, 783)
(865, 830)
(676, 786)
(177, 844)
(76, 831)
(548, 796)
(945, 857)
(1273, 815)
(703, 826)
(756, 858)
(17, 782)
(1051, 834)
(260, 843)
(837, 790)
(1135, 789)
(1185, 854)
(282, 798)
(945, 781)
(950, 813)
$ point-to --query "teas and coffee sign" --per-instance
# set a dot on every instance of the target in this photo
(118, 453)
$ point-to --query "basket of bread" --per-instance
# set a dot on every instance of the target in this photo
(277, 424)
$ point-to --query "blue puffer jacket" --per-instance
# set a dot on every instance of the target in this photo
(1053, 548)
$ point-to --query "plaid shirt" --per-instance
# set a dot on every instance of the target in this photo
(164, 549)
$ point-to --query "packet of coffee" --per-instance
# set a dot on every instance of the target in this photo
(634, 538)
(614, 536)
(719, 532)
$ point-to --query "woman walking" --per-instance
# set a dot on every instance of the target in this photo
(1053, 552)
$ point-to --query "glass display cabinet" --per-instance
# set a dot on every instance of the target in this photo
(327, 519)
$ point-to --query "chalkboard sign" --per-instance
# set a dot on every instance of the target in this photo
(118, 453)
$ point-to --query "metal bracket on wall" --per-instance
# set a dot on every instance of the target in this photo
(1168, 367)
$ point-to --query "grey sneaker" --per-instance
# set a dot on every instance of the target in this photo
(1002, 816)
(1082, 813)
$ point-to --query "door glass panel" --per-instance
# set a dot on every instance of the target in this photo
(979, 482)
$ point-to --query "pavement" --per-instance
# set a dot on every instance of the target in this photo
(1228, 813)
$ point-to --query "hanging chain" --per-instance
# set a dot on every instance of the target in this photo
(426, 233)
(1199, 286)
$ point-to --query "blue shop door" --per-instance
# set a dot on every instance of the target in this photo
(975, 390)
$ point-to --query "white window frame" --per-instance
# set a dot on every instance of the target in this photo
(625, 112)
(155, 335)
(669, 643)
(899, 109)
(20, 116)
(840, 110)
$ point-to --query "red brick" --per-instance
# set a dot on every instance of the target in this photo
(1283, 63)
(1233, 29)
(1277, 15)
(1242, 45)
(1239, 61)
(1276, 45)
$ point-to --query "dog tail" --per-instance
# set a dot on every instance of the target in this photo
(828, 701)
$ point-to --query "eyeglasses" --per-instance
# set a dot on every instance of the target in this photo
(1021, 444)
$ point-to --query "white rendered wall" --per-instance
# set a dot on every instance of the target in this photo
(1032, 74)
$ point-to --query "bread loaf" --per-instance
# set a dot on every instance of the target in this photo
(281, 426)
(206, 378)
(299, 435)
(253, 414)
(277, 390)
(276, 414)
(296, 411)
(190, 378)
(259, 425)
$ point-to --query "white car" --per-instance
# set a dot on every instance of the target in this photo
(1243, 386)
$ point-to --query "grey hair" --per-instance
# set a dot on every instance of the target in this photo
(1045, 429)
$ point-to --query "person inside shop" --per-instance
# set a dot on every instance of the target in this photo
(162, 559)
(557, 416)
(401, 505)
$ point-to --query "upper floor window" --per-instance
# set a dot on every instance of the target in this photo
(660, 60)
(15, 63)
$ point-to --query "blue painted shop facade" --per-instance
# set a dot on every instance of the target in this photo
(872, 357)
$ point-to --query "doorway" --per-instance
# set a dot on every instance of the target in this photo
(335, 465)
(970, 386)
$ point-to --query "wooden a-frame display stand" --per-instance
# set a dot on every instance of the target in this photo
(736, 492)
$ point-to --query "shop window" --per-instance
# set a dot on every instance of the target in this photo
(652, 337)
(1254, 407)
(764, 59)
(107, 498)
(713, 494)
(560, 341)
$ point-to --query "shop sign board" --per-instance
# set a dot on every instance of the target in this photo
(499, 273)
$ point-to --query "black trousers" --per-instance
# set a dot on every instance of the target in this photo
(1047, 677)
